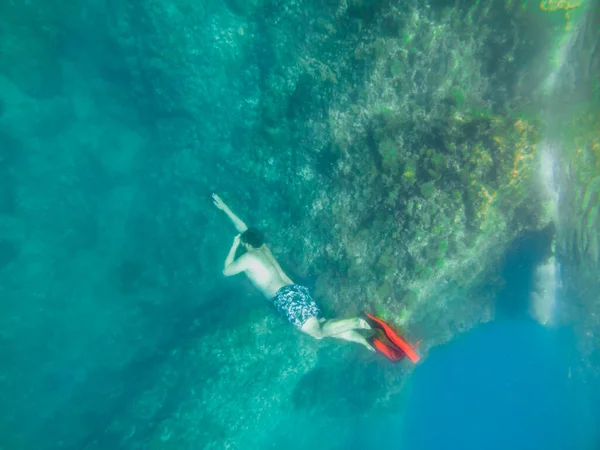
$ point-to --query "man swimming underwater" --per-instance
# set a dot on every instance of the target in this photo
(290, 299)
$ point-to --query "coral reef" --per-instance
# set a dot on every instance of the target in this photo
(388, 152)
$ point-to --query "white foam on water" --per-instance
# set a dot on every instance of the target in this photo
(542, 305)
(547, 180)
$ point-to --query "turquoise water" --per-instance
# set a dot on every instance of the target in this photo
(364, 138)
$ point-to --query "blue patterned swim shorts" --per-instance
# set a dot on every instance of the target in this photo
(296, 304)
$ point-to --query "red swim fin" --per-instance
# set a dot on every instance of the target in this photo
(392, 353)
(394, 338)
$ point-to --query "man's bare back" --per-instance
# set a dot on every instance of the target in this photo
(264, 272)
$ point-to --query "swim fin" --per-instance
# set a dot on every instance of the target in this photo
(393, 337)
(392, 353)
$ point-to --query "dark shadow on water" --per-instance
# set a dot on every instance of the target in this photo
(524, 255)
(114, 391)
(339, 386)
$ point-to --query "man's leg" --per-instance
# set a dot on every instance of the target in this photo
(345, 330)
(354, 336)
(335, 327)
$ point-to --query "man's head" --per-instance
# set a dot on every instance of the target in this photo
(251, 238)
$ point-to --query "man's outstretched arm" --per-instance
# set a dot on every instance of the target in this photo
(237, 222)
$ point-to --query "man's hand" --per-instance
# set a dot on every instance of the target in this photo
(230, 268)
(239, 224)
(219, 203)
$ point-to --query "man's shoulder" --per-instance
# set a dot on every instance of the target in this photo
(257, 258)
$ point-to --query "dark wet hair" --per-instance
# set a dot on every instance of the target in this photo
(252, 237)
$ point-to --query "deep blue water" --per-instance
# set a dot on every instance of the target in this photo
(508, 384)
(511, 383)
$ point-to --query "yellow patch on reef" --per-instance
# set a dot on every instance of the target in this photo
(520, 125)
(520, 155)
(524, 152)
(556, 5)
(487, 200)
(561, 5)
(482, 155)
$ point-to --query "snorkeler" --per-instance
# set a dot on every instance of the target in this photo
(290, 299)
